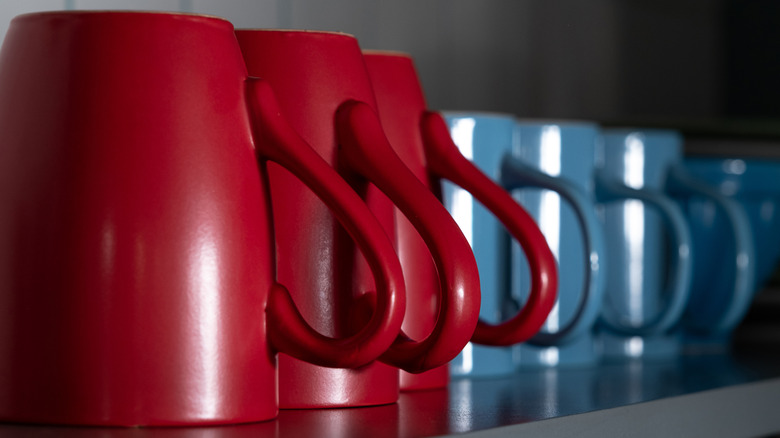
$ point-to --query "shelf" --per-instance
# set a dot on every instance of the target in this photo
(728, 395)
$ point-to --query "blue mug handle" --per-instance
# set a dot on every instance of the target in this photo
(680, 183)
(678, 288)
(515, 174)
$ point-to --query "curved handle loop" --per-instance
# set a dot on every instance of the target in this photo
(288, 332)
(680, 183)
(446, 161)
(516, 174)
(368, 152)
(679, 286)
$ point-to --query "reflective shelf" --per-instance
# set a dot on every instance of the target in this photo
(716, 395)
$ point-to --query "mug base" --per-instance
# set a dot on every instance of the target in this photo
(580, 353)
(657, 347)
(483, 361)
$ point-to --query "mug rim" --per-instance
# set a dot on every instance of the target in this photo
(566, 123)
(387, 52)
(296, 31)
(478, 113)
(757, 177)
(625, 131)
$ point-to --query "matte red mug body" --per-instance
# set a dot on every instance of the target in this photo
(137, 282)
(324, 89)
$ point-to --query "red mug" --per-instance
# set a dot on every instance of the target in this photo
(319, 78)
(422, 140)
(137, 271)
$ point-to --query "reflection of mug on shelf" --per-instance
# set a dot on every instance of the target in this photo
(137, 268)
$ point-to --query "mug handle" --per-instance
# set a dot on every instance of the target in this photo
(368, 153)
(288, 332)
(515, 174)
(679, 286)
(680, 183)
(446, 161)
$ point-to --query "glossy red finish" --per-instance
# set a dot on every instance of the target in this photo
(137, 282)
(422, 140)
(324, 90)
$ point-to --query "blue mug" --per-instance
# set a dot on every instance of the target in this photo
(652, 159)
(551, 172)
(755, 185)
(567, 152)
(488, 140)
(715, 307)
(642, 280)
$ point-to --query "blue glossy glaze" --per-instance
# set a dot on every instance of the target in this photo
(564, 151)
(491, 142)
(739, 218)
(755, 185)
(638, 255)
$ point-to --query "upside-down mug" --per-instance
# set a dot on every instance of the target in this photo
(324, 90)
(137, 271)
(422, 140)
(554, 164)
(722, 229)
(754, 184)
(558, 158)
(652, 159)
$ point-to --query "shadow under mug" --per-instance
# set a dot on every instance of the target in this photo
(423, 142)
(323, 86)
(488, 140)
(137, 282)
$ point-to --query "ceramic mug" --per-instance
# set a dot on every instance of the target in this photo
(652, 158)
(137, 272)
(490, 141)
(421, 138)
(553, 162)
(750, 184)
(324, 90)
(753, 183)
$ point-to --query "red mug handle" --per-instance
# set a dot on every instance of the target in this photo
(446, 161)
(288, 332)
(368, 153)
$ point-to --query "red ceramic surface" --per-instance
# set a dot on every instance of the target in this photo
(324, 90)
(422, 140)
(137, 282)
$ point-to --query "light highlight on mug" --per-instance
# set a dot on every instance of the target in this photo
(462, 133)
(467, 364)
(550, 207)
(206, 281)
(634, 225)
